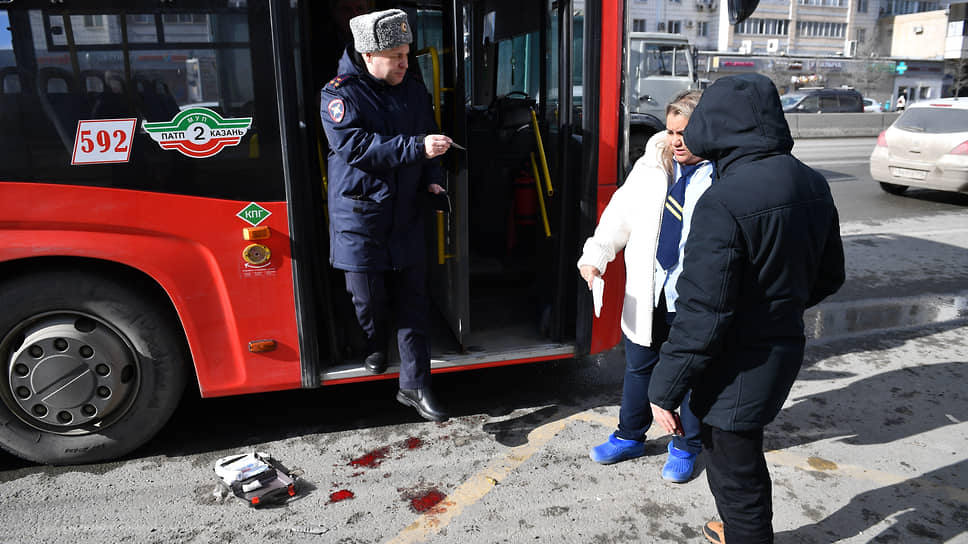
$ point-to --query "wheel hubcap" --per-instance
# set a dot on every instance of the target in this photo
(70, 374)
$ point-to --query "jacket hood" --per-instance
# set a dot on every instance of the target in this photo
(738, 118)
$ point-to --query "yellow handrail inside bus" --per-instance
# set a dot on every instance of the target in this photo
(435, 67)
(541, 153)
(442, 254)
(541, 202)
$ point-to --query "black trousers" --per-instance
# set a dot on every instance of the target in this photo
(395, 298)
(740, 483)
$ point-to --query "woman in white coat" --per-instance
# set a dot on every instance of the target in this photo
(632, 222)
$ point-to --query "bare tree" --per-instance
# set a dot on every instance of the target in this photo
(872, 76)
(960, 87)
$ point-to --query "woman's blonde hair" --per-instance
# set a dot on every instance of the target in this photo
(682, 105)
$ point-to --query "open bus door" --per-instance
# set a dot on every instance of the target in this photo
(498, 269)
(501, 259)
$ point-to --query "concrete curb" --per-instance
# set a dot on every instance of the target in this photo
(838, 125)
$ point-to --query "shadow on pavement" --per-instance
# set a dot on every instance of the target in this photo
(880, 409)
(930, 508)
(212, 427)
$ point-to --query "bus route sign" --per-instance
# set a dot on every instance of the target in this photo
(101, 141)
(198, 132)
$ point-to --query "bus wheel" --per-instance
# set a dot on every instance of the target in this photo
(92, 368)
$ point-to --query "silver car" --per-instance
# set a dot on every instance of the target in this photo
(927, 146)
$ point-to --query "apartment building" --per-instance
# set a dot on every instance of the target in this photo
(790, 27)
(881, 47)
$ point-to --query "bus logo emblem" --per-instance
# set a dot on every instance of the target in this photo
(198, 132)
(253, 214)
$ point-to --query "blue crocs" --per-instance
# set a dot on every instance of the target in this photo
(678, 467)
(617, 449)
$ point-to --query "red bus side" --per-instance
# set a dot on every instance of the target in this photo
(606, 332)
(192, 248)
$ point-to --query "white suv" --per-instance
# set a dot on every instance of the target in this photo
(927, 146)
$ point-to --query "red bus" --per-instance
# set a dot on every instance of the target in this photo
(162, 169)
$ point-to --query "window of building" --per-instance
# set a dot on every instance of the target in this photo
(674, 27)
(96, 29)
(702, 28)
(861, 35)
(831, 3)
(861, 6)
(142, 29)
(638, 25)
(660, 27)
(185, 18)
(902, 7)
(769, 27)
(817, 29)
(91, 21)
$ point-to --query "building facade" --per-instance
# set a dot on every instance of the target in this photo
(793, 27)
(881, 47)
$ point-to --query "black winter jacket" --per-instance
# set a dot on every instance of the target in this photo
(764, 245)
(378, 173)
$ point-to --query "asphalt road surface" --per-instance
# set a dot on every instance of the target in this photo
(870, 446)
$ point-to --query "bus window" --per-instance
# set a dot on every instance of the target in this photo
(149, 66)
(142, 28)
(428, 34)
(518, 63)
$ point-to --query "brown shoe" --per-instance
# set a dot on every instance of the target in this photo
(713, 531)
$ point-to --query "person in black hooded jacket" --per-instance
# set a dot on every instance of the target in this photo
(763, 247)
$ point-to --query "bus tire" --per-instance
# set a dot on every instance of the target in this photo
(93, 365)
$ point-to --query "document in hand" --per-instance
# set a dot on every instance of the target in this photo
(598, 287)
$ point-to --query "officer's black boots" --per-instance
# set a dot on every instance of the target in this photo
(376, 362)
(423, 401)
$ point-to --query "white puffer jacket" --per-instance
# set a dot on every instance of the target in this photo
(631, 222)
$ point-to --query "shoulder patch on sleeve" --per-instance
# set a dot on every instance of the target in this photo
(336, 109)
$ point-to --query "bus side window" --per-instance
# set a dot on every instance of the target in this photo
(62, 102)
(148, 64)
(12, 142)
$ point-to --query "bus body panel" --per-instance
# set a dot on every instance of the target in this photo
(606, 332)
(194, 254)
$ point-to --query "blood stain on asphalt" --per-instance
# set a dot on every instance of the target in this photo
(413, 443)
(371, 459)
(426, 501)
(341, 495)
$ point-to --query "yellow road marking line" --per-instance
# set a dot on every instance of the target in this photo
(483, 482)
(860, 473)
(480, 484)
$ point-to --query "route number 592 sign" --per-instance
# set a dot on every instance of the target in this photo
(103, 141)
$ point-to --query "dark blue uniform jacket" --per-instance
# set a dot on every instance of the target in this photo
(764, 245)
(378, 173)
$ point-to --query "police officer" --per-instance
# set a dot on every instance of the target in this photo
(382, 139)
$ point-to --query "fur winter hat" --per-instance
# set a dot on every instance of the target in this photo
(380, 30)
